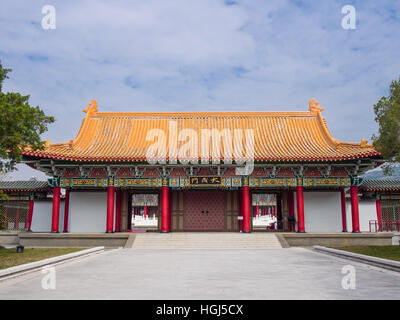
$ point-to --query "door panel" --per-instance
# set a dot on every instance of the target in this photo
(204, 211)
(232, 211)
(177, 211)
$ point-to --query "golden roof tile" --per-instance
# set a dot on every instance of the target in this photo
(279, 136)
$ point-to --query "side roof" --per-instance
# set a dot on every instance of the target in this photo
(30, 185)
(377, 180)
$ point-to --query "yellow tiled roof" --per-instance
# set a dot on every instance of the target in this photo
(279, 136)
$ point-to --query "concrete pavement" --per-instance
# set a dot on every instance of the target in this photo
(293, 273)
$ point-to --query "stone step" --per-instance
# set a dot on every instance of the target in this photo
(194, 240)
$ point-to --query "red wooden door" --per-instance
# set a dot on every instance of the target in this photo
(204, 211)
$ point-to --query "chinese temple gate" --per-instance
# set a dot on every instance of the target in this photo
(297, 183)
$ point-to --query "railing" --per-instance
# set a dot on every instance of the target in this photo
(263, 220)
(140, 221)
(387, 225)
(14, 215)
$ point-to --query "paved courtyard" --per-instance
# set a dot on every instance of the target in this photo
(294, 273)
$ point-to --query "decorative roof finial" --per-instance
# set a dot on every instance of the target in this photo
(91, 109)
(363, 143)
(313, 106)
(47, 143)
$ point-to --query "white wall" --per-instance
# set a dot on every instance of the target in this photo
(88, 211)
(322, 211)
(42, 215)
(367, 212)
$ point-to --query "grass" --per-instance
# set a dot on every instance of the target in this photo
(10, 257)
(384, 252)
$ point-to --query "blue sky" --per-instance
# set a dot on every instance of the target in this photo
(183, 55)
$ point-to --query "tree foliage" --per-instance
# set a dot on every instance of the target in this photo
(20, 125)
(387, 114)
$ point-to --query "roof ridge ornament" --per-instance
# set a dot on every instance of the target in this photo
(47, 143)
(363, 143)
(313, 106)
(91, 109)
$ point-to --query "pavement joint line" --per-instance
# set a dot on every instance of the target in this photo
(31, 267)
(374, 261)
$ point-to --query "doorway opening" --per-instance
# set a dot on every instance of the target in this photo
(143, 211)
(266, 211)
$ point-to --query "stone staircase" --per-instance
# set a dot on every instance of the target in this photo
(206, 240)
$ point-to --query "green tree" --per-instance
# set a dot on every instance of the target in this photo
(20, 125)
(387, 114)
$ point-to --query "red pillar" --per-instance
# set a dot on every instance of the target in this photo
(354, 209)
(257, 211)
(343, 205)
(300, 209)
(66, 211)
(110, 209)
(165, 220)
(56, 209)
(26, 219)
(246, 209)
(118, 197)
(291, 211)
(16, 219)
(30, 215)
(379, 214)
(145, 212)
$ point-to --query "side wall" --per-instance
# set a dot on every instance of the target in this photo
(367, 212)
(322, 211)
(88, 211)
(42, 214)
